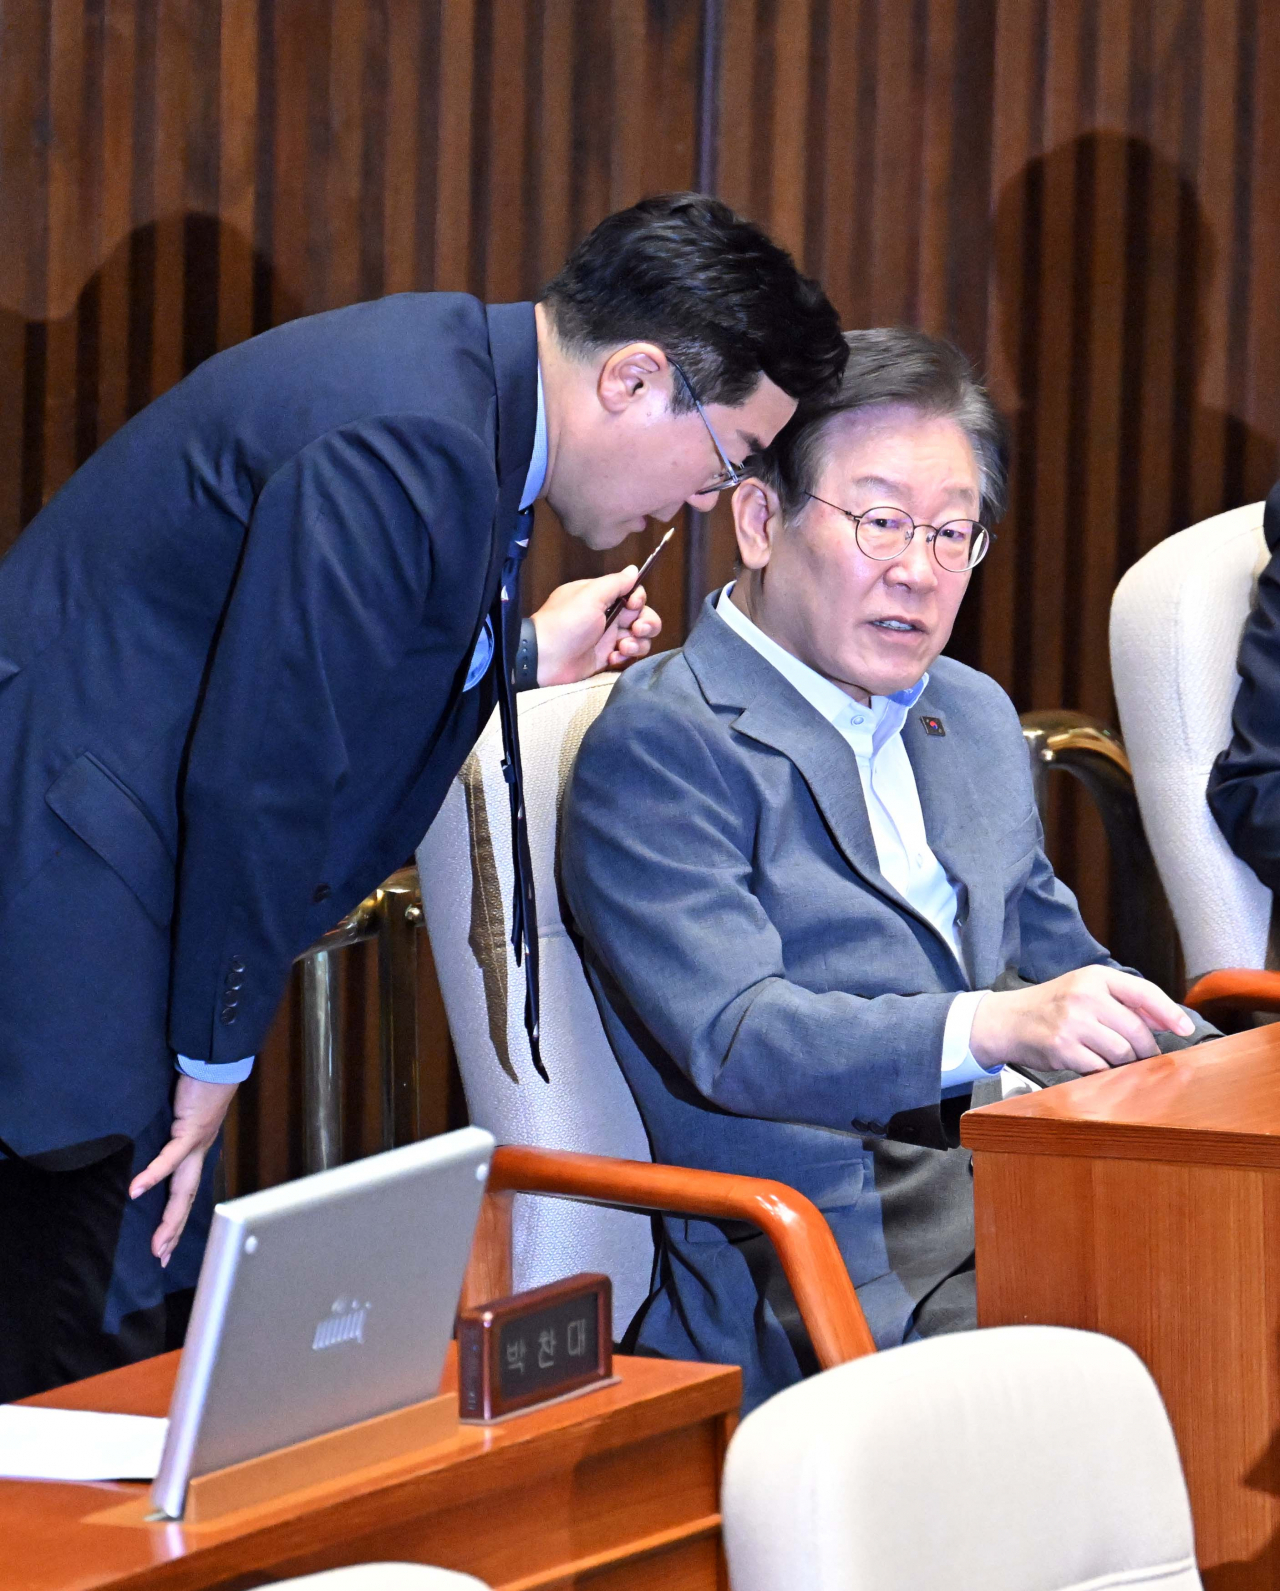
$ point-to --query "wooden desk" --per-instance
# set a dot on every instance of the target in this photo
(1145, 1203)
(616, 1489)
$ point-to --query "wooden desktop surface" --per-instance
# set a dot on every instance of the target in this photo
(618, 1488)
(1145, 1203)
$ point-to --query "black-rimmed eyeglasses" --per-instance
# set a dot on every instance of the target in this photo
(731, 475)
(885, 533)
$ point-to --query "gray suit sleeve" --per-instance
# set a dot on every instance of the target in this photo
(657, 864)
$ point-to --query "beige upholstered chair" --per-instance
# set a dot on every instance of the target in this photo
(586, 1108)
(385, 1577)
(1024, 1458)
(1176, 621)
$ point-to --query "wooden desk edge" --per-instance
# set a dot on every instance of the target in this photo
(653, 1397)
(1103, 1140)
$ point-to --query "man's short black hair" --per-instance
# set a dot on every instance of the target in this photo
(891, 365)
(712, 290)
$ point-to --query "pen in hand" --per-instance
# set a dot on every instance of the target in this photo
(615, 607)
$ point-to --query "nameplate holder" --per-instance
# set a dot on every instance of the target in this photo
(295, 1477)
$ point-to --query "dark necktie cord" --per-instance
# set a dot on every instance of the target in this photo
(524, 911)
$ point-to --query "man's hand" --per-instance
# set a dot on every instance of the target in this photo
(573, 642)
(198, 1109)
(1083, 1021)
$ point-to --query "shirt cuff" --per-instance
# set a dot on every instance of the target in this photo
(481, 657)
(959, 1068)
(221, 1072)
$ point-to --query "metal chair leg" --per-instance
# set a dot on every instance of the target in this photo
(399, 917)
(321, 1037)
(321, 1065)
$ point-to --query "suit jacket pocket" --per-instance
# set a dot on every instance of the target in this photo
(102, 812)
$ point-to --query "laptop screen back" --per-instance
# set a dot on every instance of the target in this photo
(323, 1302)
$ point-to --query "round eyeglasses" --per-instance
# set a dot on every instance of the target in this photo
(885, 533)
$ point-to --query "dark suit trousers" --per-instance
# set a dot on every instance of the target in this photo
(80, 1291)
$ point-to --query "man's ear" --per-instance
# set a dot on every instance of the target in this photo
(757, 514)
(630, 372)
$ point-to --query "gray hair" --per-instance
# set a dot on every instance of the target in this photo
(892, 365)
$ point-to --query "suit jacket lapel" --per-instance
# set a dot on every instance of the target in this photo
(958, 834)
(513, 345)
(774, 713)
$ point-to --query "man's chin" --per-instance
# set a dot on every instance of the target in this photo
(601, 535)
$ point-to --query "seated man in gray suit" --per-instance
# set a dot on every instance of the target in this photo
(802, 853)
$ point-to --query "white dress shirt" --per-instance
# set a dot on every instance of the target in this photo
(874, 735)
(237, 1071)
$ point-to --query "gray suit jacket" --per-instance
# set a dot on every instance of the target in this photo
(777, 1007)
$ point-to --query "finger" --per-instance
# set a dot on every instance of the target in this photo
(1075, 1057)
(635, 603)
(183, 1187)
(1129, 1027)
(1102, 1040)
(164, 1165)
(647, 623)
(1153, 1005)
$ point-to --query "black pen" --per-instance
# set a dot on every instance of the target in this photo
(615, 607)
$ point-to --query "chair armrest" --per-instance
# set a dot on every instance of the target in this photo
(798, 1230)
(1235, 989)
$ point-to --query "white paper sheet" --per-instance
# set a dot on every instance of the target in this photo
(77, 1445)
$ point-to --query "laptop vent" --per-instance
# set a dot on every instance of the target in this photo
(343, 1325)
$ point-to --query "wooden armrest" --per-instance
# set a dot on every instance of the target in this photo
(1235, 989)
(798, 1230)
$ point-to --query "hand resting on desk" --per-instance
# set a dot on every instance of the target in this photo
(1084, 1021)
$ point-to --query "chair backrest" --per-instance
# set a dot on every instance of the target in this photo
(465, 868)
(1024, 1458)
(1176, 620)
(385, 1577)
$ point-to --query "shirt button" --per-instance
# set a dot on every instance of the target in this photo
(228, 1015)
(857, 718)
(237, 965)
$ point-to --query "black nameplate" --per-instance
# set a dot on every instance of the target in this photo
(533, 1347)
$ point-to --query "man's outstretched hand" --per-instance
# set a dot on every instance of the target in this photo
(198, 1109)
(1083, 1021)
(573, 641)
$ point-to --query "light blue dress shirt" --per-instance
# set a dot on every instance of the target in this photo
(534, 482)
(237, 1071)
(874, 734)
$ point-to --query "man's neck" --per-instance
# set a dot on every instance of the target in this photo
(748, 597)
(557, 376)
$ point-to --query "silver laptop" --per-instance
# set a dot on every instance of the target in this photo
(323, 1302)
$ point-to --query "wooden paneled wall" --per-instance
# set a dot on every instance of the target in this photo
(1082, 193)
(1085, 196)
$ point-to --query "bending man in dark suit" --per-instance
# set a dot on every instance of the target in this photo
(803, 850)
(246, 648)
(1244, 785)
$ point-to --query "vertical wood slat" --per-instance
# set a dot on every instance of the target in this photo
(1082, 192)
(1105, 277)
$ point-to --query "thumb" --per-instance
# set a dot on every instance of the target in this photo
(616, 585)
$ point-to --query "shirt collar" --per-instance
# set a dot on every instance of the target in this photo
(535, 480)
(887, 714)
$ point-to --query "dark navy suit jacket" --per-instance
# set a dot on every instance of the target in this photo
(1244, 785)
(232, 658)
